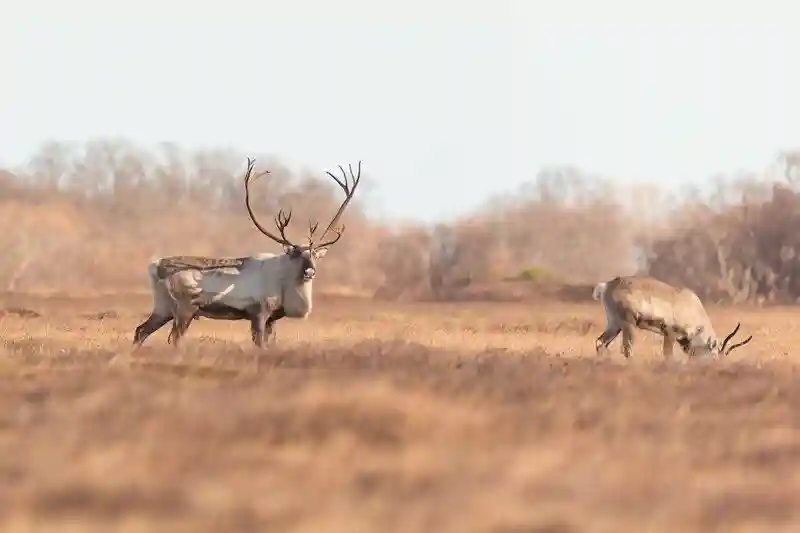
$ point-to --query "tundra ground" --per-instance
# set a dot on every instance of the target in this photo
(371, 417)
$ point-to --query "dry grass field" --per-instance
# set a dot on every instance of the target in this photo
(380, 418)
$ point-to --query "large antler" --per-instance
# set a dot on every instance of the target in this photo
(281, 220)
(734, 346)
(348, 191)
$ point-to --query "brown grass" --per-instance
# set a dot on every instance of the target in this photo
(402, 417)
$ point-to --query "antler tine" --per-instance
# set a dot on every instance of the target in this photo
(247, 177)
(730, 336)
(283, 218)
(250, 164)
(282, 221)
(342, 184)
(738, 344)
(348, 191)
(338, 232)
(312, 229)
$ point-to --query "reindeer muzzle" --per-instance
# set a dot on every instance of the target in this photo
(309, 273)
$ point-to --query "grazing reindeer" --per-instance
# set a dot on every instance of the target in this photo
(649, 304)
(262, 288)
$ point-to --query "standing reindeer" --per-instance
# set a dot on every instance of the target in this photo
(649, 304)
(262, 288)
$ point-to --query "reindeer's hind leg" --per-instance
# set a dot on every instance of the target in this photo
(160, 315)
(610, 332)
(606, 338)
(153, 323)
(185, 293)
(184, 315)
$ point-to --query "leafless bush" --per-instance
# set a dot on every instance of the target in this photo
(90, 217)
(739, 245)
(565, 225)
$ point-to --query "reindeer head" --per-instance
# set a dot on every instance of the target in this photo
(304, 257)
(703, 343)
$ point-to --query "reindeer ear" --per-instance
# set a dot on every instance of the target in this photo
(319, 253)
(288, 248)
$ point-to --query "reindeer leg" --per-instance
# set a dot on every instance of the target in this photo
(627, 340)
(153, 323)
(172, 338)
(175, 334)
(667, 346)
(175, 331)
(606, 338)
(276, 315)
(183, 319)
(668, 340)
(258, 322)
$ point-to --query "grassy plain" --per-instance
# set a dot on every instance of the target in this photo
(391, 417)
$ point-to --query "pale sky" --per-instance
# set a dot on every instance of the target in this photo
(445, 101)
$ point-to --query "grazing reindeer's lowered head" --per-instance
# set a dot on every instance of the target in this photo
(631, 302)
(262, 288)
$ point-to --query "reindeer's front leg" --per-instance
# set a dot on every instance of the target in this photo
(668, 345)
(262, 320)
(258, 321)
(274, 316)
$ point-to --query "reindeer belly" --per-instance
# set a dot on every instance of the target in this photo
(220, 311)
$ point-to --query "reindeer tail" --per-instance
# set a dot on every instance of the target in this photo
(154, 272)
(599, 290)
